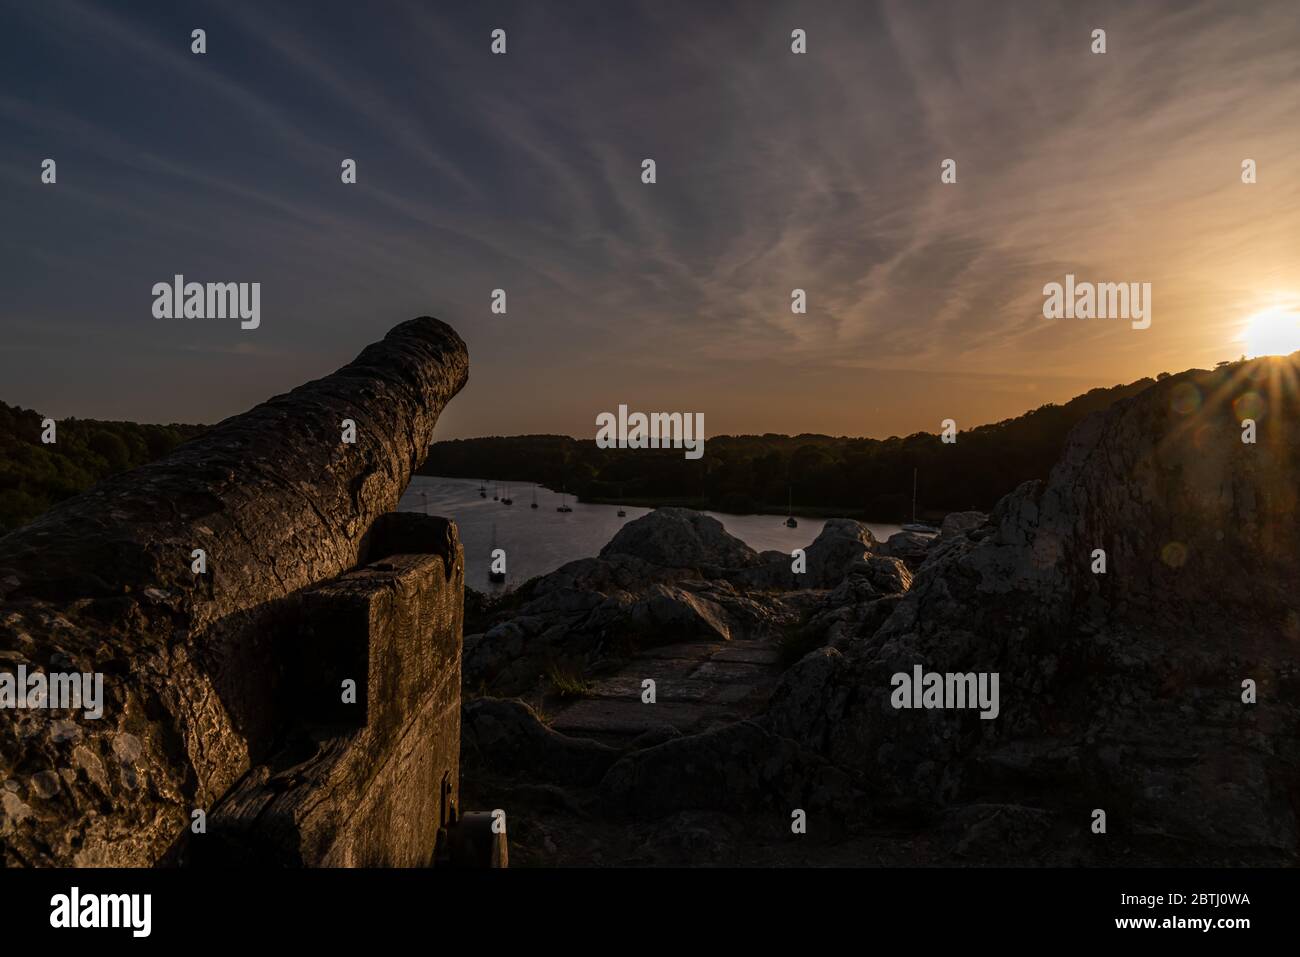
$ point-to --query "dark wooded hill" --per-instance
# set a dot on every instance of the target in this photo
(34, 476)
(866, 478)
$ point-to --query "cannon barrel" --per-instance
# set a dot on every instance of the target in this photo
(202, 673)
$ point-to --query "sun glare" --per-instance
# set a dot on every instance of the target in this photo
(1272, 332)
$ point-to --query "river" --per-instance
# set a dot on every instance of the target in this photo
(540, 540)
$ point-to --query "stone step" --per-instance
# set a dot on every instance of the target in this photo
(696, 684)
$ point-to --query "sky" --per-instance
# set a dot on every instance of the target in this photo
(523, 171)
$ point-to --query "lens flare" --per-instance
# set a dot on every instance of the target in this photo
(1248, 405)
(1185, 398)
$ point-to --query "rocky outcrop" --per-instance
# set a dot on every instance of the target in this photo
(911, 547)
(843, 547)
(668, 610)
(673, 576)
(1121, 686)
(675, 599)
(956, 524)
(680, 538)
(193, 678)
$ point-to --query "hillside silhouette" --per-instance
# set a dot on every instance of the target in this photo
(854, 477)
(867, 478)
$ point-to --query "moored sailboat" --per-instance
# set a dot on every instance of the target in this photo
(914, 525)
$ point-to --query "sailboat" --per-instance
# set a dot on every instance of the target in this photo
(622, 512)
(496, 492)
(534, 505)
(914, 525)
(790, 521)
(494, 576)
(482, 489)
(564, 507)
(506, 499)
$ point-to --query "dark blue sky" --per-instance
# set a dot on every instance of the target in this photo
(522, 172)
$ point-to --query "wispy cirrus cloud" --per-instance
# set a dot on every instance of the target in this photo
(776, 171)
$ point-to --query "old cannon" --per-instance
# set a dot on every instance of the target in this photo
(292, 697)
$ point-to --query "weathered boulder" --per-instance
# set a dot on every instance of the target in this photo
(192, 673)
(750, 613)
(593, 611)
(842, 547)
(680, 538)
(959, 523)
(911, 547)
(667, 614)
(609, 573)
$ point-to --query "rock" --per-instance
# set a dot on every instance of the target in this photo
(506, 737)
(598, 610)
(609, 573)
(911, 547)
(1120, 689)
(752, 613)
(734, 767)
(842, 546)
(667, 615)
(888, 574)
(959, 523)
(680, 538)
(563, 601)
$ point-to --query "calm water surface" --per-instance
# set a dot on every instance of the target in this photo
(540, 540)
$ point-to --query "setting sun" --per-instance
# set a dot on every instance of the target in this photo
(1272, 332)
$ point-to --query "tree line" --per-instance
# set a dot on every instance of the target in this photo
(855, 477)
(822, 474)
(35, 476)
